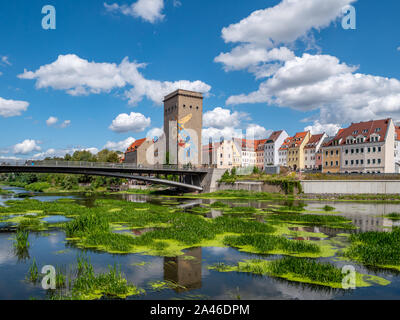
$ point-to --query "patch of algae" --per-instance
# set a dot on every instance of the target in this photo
(326, 250)
(162, 285)
(264, 267)
(98, 294)
(163, 248)
(140, 264)
(173, 248)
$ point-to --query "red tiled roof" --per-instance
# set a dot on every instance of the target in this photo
(259, 143)
(286, 143)
(298, 139)
(314, 140)
(135, 145)
(365, 129)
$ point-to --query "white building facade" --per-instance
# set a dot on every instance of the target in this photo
(272, 155)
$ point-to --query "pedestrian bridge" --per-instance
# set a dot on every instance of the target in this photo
(190, 178)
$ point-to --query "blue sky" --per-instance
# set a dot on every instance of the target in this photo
(290, 65)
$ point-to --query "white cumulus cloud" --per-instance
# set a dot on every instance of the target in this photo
(321, 82)
(257, 132)
(220, 118)
(26, 147)
(65, 124)
(148, 10)
(134, 122)
(120, 145)
(331, 129)
(285, 22)
(12, 108)
(51, 121)
(78, 76)
(259, 35)
(155, 133)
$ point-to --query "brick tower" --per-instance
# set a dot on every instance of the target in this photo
(183, 122)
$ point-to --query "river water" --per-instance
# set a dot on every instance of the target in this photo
(197, 281)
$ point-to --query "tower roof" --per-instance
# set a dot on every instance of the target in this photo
(186, 93)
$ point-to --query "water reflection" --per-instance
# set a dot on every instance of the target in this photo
(185, 270)
(190, 271)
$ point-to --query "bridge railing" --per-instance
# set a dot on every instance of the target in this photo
(96, 165)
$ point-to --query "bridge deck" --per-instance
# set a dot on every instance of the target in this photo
(125, 171)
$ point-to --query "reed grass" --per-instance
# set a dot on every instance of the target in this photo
(393, 216)
(329, 221)
(21, 240)
(33, 272)
(328, 208)
(267, 243)
(380, 249)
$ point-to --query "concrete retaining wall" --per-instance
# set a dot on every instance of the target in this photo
(252, 186)
(351, 187)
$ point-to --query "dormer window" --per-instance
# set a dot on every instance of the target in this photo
(365, 131)
(355, 132)
(377, 129)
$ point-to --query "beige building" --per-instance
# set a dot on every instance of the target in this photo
(222, 155)
(183, 122)
(295, 153)
(331, 153)
(137, 152)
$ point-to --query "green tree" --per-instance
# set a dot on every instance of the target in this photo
(83, 156)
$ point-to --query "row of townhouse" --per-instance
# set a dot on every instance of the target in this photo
(364, 147)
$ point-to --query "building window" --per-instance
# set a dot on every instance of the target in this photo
(337, 163)
(379, 161)
(347, 162)
(379, 149)
(373, 149)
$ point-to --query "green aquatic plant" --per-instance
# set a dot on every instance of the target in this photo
(393, 216)
(87, 223)
(328, 208)
(219, 205)
(301, 270)
(329, 221)
(21, 240)
(166, 284)
(86, 284)
(379, 249)
(33, 272)
(263, 243)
